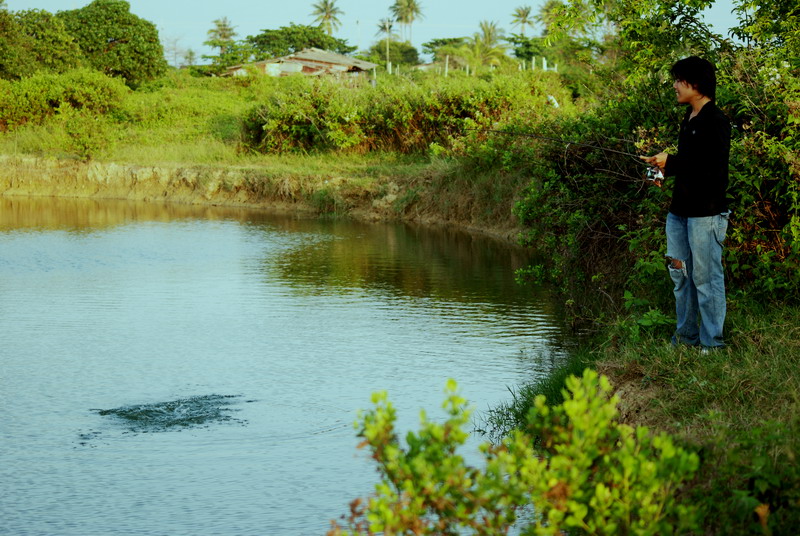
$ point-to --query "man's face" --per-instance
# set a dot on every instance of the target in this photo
(684, 92)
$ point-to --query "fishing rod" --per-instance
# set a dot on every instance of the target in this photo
(653, 174)
(554, 139)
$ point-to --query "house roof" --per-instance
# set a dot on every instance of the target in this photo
(326, 57)
(314, 61)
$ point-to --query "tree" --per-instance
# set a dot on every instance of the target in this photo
(477, 52)
(483, 49)
(190, 57)
(434, 46)
(771, 25)
(522, 17)
(52, 47)
(230, 52)
(399, 53)
(115, 41)
(386, 27)
(16, 59)
(294, 38)
(221, 35)
(548, 15)
(35, 40)
(406, 12)
(490, 33)
(327, 15)
(234, 53)
(644, 38)
(526, 48)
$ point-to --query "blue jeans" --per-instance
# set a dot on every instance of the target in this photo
(694, 258)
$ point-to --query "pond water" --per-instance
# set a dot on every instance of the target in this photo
(184, 370)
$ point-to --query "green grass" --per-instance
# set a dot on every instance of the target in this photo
(752, 380)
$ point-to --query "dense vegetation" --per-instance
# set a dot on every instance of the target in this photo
(495, 137)
(104, 35)
(407, 116)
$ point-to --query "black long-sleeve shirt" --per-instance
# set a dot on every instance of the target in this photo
(701, 165)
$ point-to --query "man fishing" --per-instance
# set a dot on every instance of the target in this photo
(698, 214)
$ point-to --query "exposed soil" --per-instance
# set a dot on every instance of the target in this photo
(382, 200)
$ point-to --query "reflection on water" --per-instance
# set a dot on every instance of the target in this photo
(406, 262)
(39, 213)
(147, 309)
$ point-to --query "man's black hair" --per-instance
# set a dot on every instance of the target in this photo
(698, 73)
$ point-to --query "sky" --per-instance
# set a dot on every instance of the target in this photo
(186, 24)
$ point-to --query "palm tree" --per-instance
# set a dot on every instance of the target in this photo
(490, 33)
(548, 14)
(386, 26)
(522, 17)
(406, 12)
(480, 50)
(327, 15)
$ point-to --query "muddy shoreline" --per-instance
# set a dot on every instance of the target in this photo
(227, 186)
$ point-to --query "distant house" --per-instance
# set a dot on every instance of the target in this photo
(310, 61)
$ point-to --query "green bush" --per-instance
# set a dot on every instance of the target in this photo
(34, 99)
(404, 115)
(88, 135)
(589, 475)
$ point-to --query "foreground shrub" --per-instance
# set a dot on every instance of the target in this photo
(587, 473)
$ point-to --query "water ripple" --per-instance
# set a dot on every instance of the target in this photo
(154, 317)
(175, 414)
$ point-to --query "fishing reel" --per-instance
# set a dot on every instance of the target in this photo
(655, 175)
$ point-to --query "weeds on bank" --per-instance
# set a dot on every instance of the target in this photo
(499, 421)
(753, 379)
(740, 407)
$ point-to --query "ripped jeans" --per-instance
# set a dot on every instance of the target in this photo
(694, 259)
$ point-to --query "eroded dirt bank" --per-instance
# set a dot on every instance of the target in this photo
(380, 199)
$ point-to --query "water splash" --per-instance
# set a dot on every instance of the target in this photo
(192, 412)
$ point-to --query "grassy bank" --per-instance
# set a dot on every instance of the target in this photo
(185, 139)
(737, 408)
(374, 187)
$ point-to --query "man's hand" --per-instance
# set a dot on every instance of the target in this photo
(659, 160)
